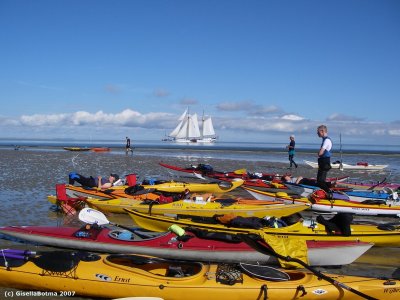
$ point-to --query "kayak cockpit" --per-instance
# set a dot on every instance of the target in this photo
(136, 234)
(155, 266)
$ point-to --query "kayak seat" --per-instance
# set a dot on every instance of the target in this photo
(228, 274)
(173, 268)
(174, 271)
(182, 270)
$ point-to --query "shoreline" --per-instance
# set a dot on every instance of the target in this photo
(386, 150)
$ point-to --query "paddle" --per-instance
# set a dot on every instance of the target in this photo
(92, 216)
(341, 160)
(375, 185)
(251, 240)
(199, 176)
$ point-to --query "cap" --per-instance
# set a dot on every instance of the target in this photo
(115, 176)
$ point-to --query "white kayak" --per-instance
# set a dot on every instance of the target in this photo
(342, 166)
(391, 208)
(361, 196)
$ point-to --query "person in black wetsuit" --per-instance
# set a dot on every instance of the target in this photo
(291, 151)
(128, 146)
(94, 182)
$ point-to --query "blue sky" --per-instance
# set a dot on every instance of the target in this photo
(262, 69)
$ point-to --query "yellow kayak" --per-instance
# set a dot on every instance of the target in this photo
(301, 230)
(111, 193)
(68, 274)
(143, 190)
(194, 187)
(196, 208)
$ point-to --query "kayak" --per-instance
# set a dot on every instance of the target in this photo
(257, 178)
(117, 205)
(88, 274)
(206, 170)
(196, 207)
(111, 193)
(389, 208)
(358, 196)
(142, 190)
(362, 185)
(303, 230)
(194, 187)
(358, 166)
(76, 149)
(201, 246)
(100, 149)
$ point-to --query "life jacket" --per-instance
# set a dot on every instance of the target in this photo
(326, 152)
(317, 195)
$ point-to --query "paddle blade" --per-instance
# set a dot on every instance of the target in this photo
(199, 176)
(92, 216)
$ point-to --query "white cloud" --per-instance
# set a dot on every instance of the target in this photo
(245, 126)
(127, 117)
(292, 117)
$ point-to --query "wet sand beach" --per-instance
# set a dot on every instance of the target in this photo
(28, 176)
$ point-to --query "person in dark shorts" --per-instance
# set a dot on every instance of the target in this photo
(324, 157)
(128, 146)
(291, 151)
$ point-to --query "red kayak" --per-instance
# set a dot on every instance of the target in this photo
(100, 149)
(201, 246)
(262, 180)
(208, 171)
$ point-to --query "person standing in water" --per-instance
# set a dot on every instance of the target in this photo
(128, 146)
(290, 148)
(324, 157)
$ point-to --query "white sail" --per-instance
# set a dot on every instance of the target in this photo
(208, 128)
(181, 120)
(183, 131)
(174, 132)
(194, 131)
(188, 129)
(184, 115)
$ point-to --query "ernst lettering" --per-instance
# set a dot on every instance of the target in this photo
(120, 279)
(392, 290)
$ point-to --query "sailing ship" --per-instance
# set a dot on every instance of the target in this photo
(188, 129)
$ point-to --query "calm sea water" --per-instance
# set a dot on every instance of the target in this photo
(30, 173)
(244, 146)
